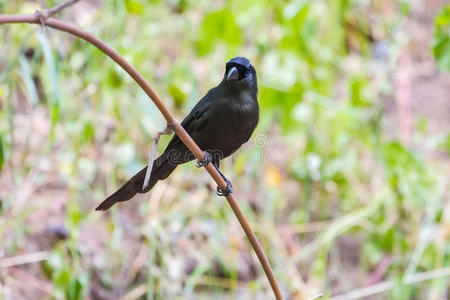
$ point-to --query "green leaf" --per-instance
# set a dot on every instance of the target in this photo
(388, 240)
(180, 81)
(62, 277)
(75, 216)
(2, 152)
(134, 7)
(359, 92)
(400, 291)
(54, 116)
(55, 90)
(444, 145)
(218, 25)
(76, 288)
(51, 67)
(441, 39)
(27, 77)
(87, 133)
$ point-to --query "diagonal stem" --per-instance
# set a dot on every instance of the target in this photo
(56, 9)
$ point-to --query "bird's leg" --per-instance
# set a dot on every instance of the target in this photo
(229, 188)
(206, 160)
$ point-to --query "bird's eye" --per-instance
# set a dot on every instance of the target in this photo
(243, 71)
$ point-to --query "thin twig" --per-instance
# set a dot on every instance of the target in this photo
(316, 297)
(23, 259)
(36, 18)
(136, 293)
(387, 285)
(44, 14)
(151, 156)
(31, 280)
(56, 9)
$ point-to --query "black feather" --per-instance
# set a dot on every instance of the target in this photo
(220, 123)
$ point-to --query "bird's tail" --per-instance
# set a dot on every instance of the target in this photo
(161, 169)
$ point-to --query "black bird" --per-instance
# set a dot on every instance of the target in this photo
(220, 123)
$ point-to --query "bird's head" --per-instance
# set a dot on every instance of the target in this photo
(240, 74)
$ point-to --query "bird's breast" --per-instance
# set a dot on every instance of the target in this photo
(242, 111)
(241, 117)
(231, 123)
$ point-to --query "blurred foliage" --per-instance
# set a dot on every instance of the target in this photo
(325, 73)
(441, 45)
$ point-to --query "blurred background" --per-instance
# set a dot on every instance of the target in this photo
(345, 181)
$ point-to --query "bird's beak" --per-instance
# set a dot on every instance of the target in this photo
(233, 74)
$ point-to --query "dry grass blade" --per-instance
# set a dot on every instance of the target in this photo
(316, 297)
(136, 293)
(387, 285)
(23, 259)
(32, 281)
(152, 154)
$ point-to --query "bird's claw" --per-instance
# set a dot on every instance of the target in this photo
(206, 160)
(226, 192)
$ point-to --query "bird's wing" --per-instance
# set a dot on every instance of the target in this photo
(195, 120)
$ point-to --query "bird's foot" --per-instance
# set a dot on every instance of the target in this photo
(206, 160)
(227, 191)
